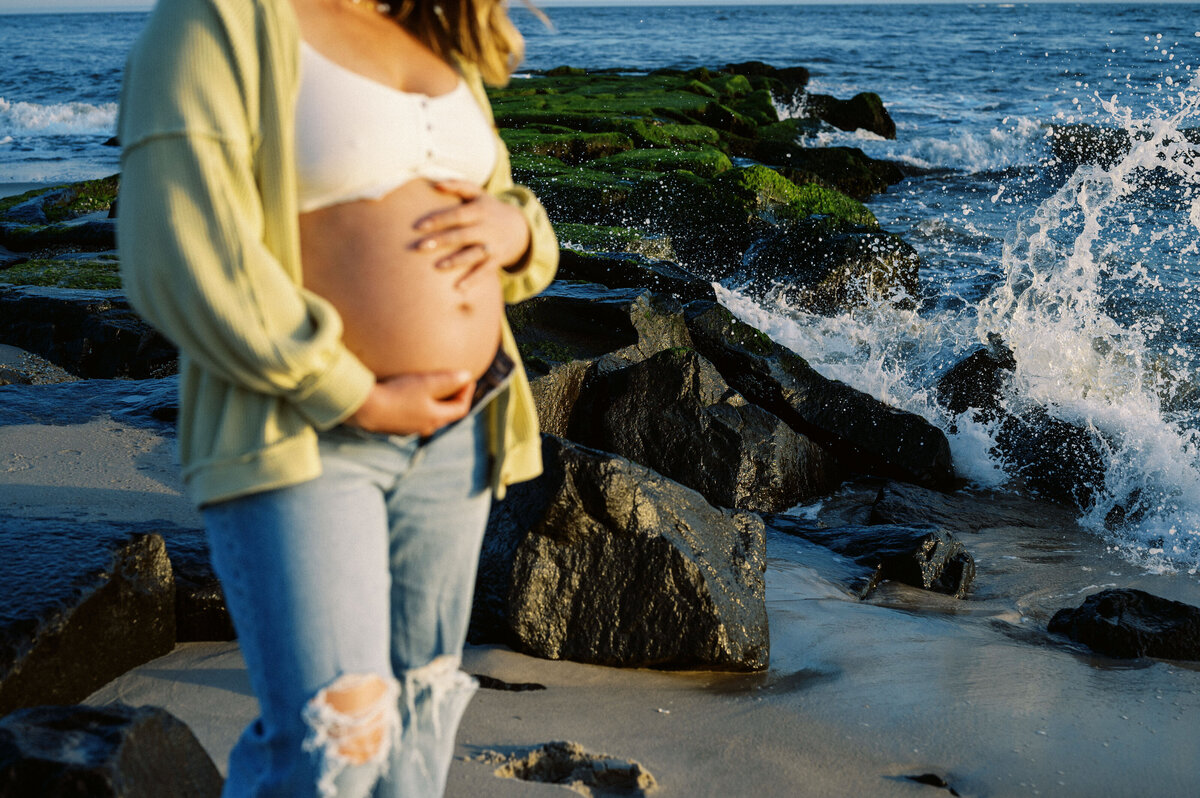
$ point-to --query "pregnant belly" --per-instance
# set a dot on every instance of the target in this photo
(401, 314)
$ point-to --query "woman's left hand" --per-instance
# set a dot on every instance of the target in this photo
(477, 237)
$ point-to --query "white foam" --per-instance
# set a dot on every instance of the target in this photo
(56, 119)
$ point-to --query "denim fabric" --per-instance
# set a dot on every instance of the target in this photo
(368, 569)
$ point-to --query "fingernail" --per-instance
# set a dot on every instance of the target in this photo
(428, 243)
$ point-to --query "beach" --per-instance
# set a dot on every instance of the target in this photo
(1035, 208)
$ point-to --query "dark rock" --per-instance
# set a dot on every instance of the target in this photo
(923, 555)
(556, 393)
(33, 210)
(863, 434)
(848, 169)
(1052, 458)
(87, 234)
(965, 512)
(979, 381)
(582, 321)
(864, 111)
(633, 271)
(1131, 623)
(11, 377)
(8, 258)
(675, 414)
(600, 560)
(143, 403)
(794, 78)
(827, 267)
(103, 752)
(93, 334)
(200, 611)
(64, 632)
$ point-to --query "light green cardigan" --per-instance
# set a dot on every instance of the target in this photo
(210, 252)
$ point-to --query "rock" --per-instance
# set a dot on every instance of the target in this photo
(863, 111)
(8, 258)
(1052, 458)
(675, 414)
(556, 393)
(922, 556)
(103, 752)
(848, 169)
(83, 605)
(601, 560)
(93, 334)
(633, 271)
(979, 381)
(13, 377)
(964, 512)
(827, 267)
(1131, 623)
(795, 78)
(581, 321)
(863, 434)
(590, 239)
(88, 234)
(200, 611)
(144, 403)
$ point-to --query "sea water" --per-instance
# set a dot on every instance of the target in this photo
(1088, 273)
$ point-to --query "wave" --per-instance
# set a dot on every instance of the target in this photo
(1017, 142)
(56, 119)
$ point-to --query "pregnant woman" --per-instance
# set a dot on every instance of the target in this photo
(316, 208)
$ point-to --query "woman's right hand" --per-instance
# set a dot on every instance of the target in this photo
(418, 404)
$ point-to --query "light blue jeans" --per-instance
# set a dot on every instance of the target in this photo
(364, 574)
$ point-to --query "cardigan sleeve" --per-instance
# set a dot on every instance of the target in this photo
(192, 226)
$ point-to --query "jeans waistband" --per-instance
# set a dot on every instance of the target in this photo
(497, 374)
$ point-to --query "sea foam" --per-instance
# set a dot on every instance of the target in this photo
(20, 119)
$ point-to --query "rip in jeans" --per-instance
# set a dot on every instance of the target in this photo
(353, 721)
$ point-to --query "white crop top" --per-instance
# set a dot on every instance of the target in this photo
(359, 139)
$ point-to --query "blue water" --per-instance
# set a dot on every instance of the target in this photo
(1089, 275)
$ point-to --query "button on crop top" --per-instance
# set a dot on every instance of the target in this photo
(359, 139)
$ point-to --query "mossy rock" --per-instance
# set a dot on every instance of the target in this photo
(571, 147)
(708, 162)
(61, 203)
(704, 90)
(781, 199)
(758, 106)
(64, 273)
(579, 194)
(607, 238)
(652, 133)
(729, 85)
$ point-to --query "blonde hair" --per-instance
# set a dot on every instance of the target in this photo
(478, 31)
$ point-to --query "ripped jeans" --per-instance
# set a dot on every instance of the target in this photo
(351, 596)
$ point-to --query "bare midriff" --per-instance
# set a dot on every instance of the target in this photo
(401, 314)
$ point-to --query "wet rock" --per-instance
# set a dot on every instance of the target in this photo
(794, 78)
(601, 560)
(143, 403)
(863, 434)
(103, 752)
(979, 381)
(200, 610)
(1131, 623)
(675, 414)
(1052, 458)
(8, 258)
(963, 511)
(87, 234)
(556, 393)
(581, 321)
(1087, 144)
(923, 556)
(82, 606)
(828, 267)
(848, 169)
(633, 271)
(863, 111)
(93, 334)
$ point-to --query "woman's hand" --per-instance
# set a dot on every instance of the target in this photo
(417, 404)
(476, 238)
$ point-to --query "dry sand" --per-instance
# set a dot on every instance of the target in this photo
(858, 696)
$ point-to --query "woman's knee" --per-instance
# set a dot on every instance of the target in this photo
(354, 721)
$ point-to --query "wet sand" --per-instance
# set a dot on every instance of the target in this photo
(859, 695)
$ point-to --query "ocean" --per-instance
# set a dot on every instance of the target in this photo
(1088, 273)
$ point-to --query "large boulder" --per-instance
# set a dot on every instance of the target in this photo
(604, 561)
(675, 414)
(966, 512)
(629, 270)
(83, 605)
(979, 381)
(863, 111)
(826, 266)
(923, 556)
(1131, 623)
(92, 334)
(863, 434)
(103, 752)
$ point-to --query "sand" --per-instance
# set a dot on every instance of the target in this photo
(859, 695)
